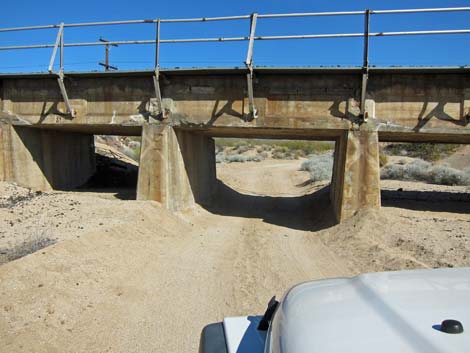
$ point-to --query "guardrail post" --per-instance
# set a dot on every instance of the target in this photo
(249, 65)
(59, 44)
(163, 113)
(365, 66)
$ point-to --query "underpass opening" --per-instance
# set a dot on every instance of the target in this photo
(71, 158)
(280, 181)
(116, 167)
(427, 176)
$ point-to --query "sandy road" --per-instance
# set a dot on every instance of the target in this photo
(133, 291)
(150, 281)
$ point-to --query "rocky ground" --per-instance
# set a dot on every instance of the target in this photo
(112, 275)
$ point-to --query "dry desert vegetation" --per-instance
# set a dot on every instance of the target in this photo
(92, 270)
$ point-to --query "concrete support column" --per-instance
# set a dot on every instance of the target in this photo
(45, 159)
(356, 173)
(177, 168)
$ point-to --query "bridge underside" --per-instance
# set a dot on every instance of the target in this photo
(43, 147)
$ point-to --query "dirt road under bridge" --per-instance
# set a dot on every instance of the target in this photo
(127, 276)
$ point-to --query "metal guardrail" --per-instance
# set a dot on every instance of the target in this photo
(366, 34)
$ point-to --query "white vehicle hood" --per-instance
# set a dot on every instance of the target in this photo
(390, 312)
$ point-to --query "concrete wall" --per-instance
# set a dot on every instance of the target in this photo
(44, 159)
(177, 168)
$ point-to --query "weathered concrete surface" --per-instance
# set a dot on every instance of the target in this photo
(45, 159)
(356, 173)
(414, 103)
(177, 168)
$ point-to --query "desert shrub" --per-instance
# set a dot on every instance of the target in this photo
(136, 152)
(307, 147)
(219, 158)
(394, 172)
(133, 153)
(263, 148)
(289, 155)
(237, 158)
(319, 166)
(243, 148)
(134, 144)
(426, 151)
(16, 200)
(420, 170)
(449, 176)
(278, 155)
(230, 158)
(135, 138)
(280, 149)
(417, 170)
(28, 246)
(229, 142)
(383, 159)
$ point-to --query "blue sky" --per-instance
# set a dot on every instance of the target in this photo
(442, 50)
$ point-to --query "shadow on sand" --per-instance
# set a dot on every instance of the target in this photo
(112, 176)
(311, 212)
(434, 201)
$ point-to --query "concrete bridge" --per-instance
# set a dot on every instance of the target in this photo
(44, 147)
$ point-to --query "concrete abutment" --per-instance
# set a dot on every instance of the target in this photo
(177, 167)
(45, 159)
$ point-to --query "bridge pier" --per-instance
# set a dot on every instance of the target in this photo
(45, 159)
(177, 168)
(355, 182)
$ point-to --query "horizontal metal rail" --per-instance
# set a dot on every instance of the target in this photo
(241, 17)
(376, 12)
(442, 9)
(30, 28)
(128, 22)
(311, 14)
(239, 39)
(207, 19)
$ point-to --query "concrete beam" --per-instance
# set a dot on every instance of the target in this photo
(399, 102)
(44, 159)
(177, 168)
(356, 173)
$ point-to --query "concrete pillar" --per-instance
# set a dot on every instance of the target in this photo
(356, 173)
(45, 159)
(177, 168)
